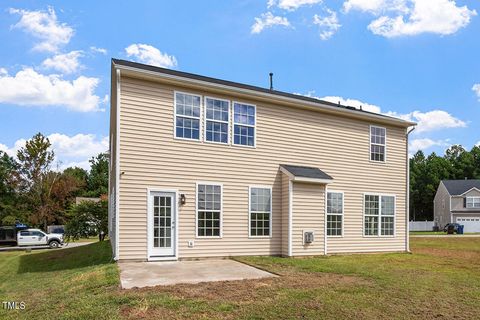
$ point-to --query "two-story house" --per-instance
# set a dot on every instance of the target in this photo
(458, 201)
(202, 167)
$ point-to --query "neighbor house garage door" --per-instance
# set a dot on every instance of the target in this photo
(472, 224)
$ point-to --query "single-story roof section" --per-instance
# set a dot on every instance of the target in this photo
(459, 187)
(306, 174)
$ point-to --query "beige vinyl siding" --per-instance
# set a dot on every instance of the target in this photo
(285, 211)
(441, 206)
(457, 201)
(308, 214)
(151, 157)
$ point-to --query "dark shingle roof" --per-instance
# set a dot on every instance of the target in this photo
(254, 88)
(306, 172)
(457, 187)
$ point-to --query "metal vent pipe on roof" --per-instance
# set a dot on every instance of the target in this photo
(271, 80)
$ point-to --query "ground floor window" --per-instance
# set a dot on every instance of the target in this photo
(379, 215)
(260, 211)
(209, 210)
(334, 213)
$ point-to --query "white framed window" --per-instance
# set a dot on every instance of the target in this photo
(187, 116)
(334, 213)
(379, 215)
(260, 211)
(473, 202)
(378, 144)
(209, 210)
(217, 120)
(244, 120)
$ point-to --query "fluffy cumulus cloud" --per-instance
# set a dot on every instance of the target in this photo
(44, 26)
(345, 102)
(150, 55)
(412, 17)
(476, 89)
(66, 63)
(431, 120)
(291, 4)
(425, 143)
(30, 88)
(268, 20)
(70, 151)
(328, 25)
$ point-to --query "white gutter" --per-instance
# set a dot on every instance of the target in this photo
(407, 200)
(270, 96)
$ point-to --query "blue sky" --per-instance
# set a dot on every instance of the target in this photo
(416, 59)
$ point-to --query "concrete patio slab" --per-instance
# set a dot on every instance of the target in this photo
(147, 274)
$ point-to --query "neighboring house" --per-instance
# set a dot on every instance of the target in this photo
(458, 201)
(202, 167)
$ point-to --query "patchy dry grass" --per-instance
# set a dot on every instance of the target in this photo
(441, 279)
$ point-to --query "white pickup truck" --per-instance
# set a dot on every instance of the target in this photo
(36, 237)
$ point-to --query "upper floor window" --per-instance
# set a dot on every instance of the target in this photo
(377, 143)
(334, 213)
(217, 118)
(379, 215)
(244, 124)
(473, 202)
(260, 211)
(187, 116)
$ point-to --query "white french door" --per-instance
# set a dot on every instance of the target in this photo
(162, 224)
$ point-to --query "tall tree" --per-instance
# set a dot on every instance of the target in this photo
(97, 181)
(10, 209)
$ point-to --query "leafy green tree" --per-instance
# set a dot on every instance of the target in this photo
(80, 176)
(97, 181)
(10, 209)
(87, 219)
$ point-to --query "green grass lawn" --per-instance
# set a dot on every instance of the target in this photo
(427, 232)
(441, 279)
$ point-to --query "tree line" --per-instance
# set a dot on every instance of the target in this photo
(426, 172)
(33, 192)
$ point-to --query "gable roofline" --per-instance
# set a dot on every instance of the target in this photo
(473, 188)
(457, 188)
(137, 69)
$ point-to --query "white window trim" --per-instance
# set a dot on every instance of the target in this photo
(370, 145)
(245, 125)
(379, 235)
(474, 200)
(208, 183)
(335, 214)
(249, 211)
(189, 117)
(227, 122)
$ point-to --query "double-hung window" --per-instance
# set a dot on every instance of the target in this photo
(244, 124)
(209, 210)
(217, 118)
(334, 213)
(187, 116)
(260, 211)
(379, 215)
(473, 202)
(377, 144)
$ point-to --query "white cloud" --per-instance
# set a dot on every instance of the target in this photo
(376, 6)
(425, 143)
(476, 89)
(66, 62)
(268, 20)
(150, 55)
(30, 88)
(291, 5)
(69, 151)
(328, 25)
(44, 26)
(431, 120)
(442, 17)
(349, 102)
(99, 50)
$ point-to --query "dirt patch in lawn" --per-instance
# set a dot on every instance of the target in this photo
(249, 290)
(473, 256)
